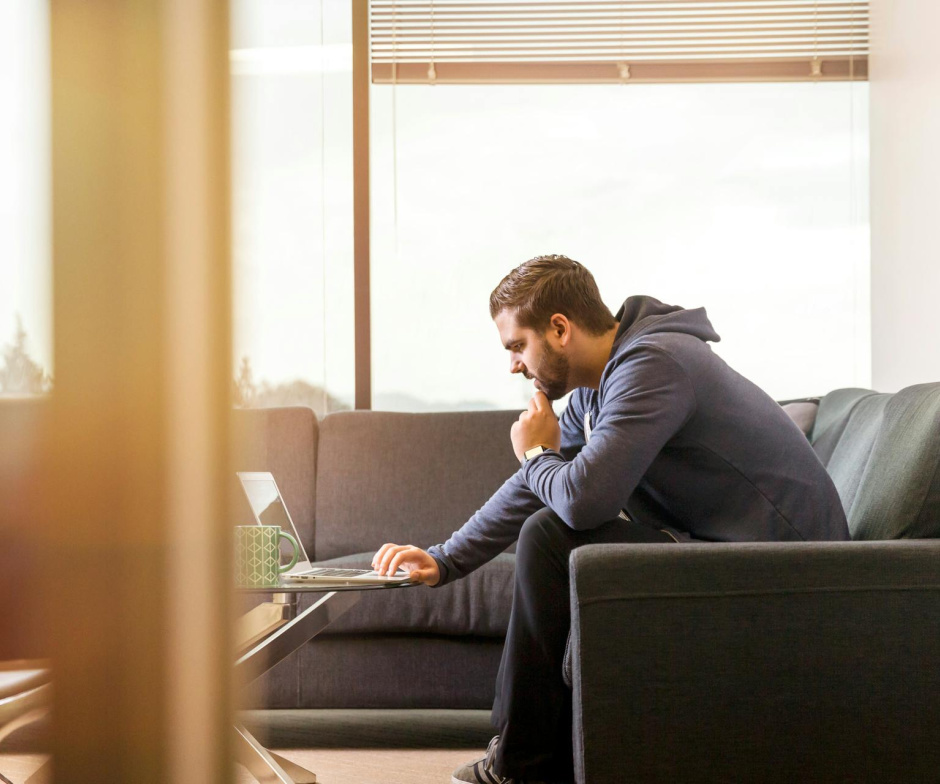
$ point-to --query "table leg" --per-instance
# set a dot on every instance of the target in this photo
(289, 637)
(270, 636)
(298, 773)
(258, 623)
(265, 766)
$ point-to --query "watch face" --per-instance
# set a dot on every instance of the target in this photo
(536, 450)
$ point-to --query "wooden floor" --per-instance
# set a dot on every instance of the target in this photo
(341, 747)
(374, 766)
(373, 747)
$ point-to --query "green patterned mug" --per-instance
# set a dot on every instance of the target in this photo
(257, 555)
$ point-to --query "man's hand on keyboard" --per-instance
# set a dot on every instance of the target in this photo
(420, 565)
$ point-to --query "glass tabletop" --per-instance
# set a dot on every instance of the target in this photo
(290, 586)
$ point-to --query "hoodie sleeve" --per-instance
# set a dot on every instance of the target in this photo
(646, 400)
(496, 525)
(491, 530)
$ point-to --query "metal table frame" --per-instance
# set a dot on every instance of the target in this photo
(265, 636)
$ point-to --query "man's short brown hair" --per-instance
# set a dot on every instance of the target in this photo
(538, 288)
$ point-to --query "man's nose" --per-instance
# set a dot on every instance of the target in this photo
(516, 366)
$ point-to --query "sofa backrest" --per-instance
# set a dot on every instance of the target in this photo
(883, 454)
(802, 412)
(284, 442)
(405, 478)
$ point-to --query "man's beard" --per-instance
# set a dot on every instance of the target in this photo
(552, 372)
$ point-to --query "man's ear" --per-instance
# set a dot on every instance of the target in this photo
(561, 327)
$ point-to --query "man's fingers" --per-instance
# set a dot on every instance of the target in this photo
(390, 557)
(396, 560)
(542, 404)
(405, 553)
(380, 554)
(386, 557)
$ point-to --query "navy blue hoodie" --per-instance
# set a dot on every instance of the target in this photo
(673, 438)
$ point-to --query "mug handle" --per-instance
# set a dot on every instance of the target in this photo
(293, 562)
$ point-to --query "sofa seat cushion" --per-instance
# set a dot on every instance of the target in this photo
(477, 605)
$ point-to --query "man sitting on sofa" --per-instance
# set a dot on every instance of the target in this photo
(661, 441)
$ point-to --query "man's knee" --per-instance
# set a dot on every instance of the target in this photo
(545, 543)
(540, 527)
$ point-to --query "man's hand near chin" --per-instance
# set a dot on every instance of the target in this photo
(536, 426)
(420, 565)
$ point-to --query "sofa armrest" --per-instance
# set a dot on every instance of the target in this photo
(756, 662)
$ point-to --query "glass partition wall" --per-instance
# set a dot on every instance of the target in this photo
(291, 66)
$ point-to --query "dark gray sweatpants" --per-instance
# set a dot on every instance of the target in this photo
(532, 712)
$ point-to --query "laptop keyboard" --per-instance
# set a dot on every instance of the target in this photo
(327, 572)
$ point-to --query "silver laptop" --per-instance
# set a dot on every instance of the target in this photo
(269, 508)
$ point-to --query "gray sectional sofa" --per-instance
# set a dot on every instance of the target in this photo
(762, 662)
(777, 662)
(354, 481)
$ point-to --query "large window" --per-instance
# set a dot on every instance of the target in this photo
(292, 202)
(750, 199)
(747, 199)
(25, 261)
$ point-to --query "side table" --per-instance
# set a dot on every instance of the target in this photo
(268, 634)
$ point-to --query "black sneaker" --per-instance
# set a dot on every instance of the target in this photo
(481, 771)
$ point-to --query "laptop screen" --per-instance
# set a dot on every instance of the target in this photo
(269, 509)
(266, 502)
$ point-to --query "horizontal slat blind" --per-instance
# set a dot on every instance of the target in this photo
(618, 40)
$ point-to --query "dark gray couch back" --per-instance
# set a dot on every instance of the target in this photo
(284, 442)
(883, 454)
(405, 478)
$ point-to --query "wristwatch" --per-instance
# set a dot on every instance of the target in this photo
(533, 452)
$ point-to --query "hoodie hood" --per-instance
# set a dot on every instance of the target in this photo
(641, 316)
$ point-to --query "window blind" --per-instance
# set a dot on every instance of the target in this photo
(461, 41)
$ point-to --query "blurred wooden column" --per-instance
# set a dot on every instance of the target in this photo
(137, 537)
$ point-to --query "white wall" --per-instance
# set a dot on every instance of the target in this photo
(905, 193)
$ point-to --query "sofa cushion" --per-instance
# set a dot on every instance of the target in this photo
(803, 413)
(844, 437)
(380, 671)
(883, 454)
(405, 478)
(835, 410)
(478, 605)
(282, 441)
